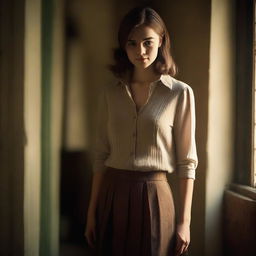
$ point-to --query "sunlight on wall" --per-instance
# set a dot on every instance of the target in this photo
(221, 119)
(32, 119)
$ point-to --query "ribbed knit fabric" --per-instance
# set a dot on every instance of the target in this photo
(160, 136)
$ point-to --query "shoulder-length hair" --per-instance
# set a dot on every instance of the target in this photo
(164, 63)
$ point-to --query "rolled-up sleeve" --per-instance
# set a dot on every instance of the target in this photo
(100, 146)
(184, 135)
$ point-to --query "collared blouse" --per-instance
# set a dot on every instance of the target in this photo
(160, 136)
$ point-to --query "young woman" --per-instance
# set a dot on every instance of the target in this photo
(145, 129)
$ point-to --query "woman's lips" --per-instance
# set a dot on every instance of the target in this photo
(142, 59)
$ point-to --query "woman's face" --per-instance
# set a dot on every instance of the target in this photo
(142, 46)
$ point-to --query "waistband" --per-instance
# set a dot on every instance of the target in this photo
(135, 175)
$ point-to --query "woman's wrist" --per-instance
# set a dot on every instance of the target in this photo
(92, 207)
(185, 221)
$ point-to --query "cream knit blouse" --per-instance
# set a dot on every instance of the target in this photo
(160, 136)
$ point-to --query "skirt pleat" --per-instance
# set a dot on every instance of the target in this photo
(135, 220)
(135, 214)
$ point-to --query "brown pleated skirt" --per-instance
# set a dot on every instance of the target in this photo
(135, 214)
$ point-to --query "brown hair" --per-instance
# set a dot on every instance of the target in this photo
(164, 63)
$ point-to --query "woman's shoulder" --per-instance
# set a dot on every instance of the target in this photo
(176, 87)
(175, 84)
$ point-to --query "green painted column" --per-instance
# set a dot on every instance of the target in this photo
(46, 51)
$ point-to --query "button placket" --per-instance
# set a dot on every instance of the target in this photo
(134, 134)
(150, 93)
(127, 89)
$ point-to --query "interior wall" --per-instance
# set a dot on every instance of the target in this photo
(32, 122)
(220, 144)
(75, 136)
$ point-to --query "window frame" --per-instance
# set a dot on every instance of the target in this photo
(244, 123)
(253, 170)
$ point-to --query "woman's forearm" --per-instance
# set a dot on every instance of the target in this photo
(186, 193)
(96, 183)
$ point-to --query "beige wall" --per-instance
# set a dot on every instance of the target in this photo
(220, 144)
(32, 122)
(75, 118)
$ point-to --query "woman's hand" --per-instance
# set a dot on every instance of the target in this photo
(90, 232)
(182, 238)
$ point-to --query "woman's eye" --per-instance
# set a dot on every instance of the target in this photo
(148, 43)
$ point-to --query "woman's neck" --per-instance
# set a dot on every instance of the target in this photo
(144, 76)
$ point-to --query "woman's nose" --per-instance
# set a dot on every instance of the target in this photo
(140, 49)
